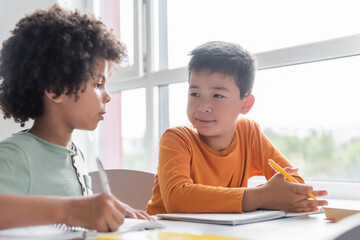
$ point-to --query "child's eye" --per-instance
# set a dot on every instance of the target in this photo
(194, 94)
(218, 96)
(98, 85)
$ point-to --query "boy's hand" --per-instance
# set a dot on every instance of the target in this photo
(134, 213)
(103, 212)
(289, 196)
(280, 194)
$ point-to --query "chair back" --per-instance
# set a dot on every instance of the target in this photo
(129, 186)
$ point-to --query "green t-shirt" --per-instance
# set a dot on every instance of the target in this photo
(32, 166)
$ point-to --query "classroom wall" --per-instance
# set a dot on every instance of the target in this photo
(10, 13)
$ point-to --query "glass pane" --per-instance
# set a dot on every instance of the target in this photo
(133, 127)
(122, 141)
(258, 25)
(111, 145)
(127, 27)
(119, 15)
(177, 104)
(309, 112)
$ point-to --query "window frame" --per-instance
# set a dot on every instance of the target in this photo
(146, 77)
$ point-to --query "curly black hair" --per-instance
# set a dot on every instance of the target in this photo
(51, 50)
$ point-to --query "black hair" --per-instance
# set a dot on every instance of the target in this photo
(227, 58)
(51, 50)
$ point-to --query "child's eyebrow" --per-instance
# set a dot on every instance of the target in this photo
(221, 89)
(101, 75)
(214, 88)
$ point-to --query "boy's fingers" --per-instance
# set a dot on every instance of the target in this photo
(306, 209)
(299, 188)
(118, 216)
(322, 203)
(131, 214)
(103, 227)
(288, 170)
(279, 176)
(144, 215)
(320, 193)
(291, 170)
(129, 211)
(303, 189)
(309, 206)
(112, 225)
(120, 207)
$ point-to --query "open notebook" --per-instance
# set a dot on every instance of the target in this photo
(231, 218)
(60, 231)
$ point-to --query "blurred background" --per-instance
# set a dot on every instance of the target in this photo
(306, 88)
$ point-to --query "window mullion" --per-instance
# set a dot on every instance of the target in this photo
(318, 51)
(163, 35)
(138, 38)
(148, 68)
(164, 115)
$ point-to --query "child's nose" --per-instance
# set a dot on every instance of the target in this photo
(205, 107)
(107, 96)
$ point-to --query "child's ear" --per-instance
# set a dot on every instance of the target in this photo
(52, 97)
(248, 103)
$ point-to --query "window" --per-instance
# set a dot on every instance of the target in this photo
(310, 117)
(122, 18)
(123, 131)
(177, 104)
(258, 25)
(309, 113)
(305, 88)
(133, 127)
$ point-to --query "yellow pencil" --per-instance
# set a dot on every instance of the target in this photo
(288, 176)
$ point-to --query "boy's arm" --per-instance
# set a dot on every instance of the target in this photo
(278, 192)
(177, 189)
(262, 150)
(100, 212)
(282, 195)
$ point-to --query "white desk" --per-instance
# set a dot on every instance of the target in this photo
(304, 227)
(292, 228)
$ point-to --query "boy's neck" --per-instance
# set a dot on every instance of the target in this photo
(49, 132)
(217, 143)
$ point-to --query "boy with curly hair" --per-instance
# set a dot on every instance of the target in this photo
(206, 167)
(54, 69)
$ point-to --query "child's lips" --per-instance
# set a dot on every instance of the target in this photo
(205, 121)
(102, 115)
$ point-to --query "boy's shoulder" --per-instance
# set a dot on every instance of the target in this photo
(247, 123)
(242, 124)
(24, 141)
(17, 139)
(247, 127)
(181, 130)
(180, 133)
(15, 147)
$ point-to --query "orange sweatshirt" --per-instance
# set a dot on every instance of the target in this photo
(193, 178)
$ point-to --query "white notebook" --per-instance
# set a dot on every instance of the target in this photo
(62, 232)
(230, 218)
